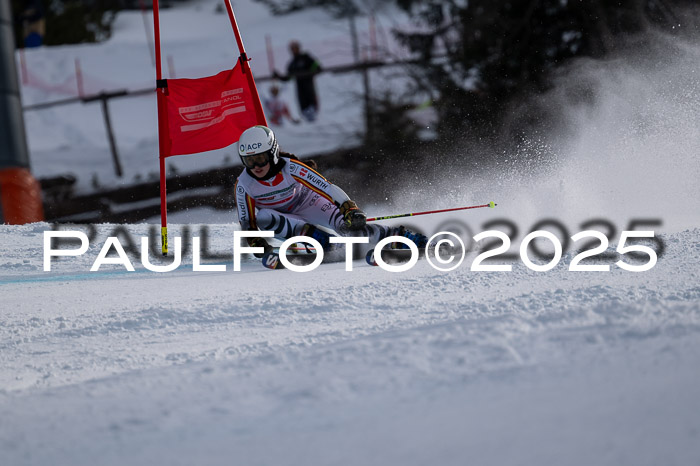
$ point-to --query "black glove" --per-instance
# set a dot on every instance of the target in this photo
(354, 218)
(259, 243)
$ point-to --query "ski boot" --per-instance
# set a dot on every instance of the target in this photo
(316, 233)
(419, 239)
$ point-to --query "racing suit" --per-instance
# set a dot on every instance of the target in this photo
(291, 195)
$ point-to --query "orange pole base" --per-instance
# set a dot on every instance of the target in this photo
(20, 197)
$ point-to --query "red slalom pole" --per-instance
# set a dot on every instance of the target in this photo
(163, 131)
(245, 66)
(490, 204)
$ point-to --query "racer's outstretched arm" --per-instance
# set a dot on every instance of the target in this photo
(352, 215)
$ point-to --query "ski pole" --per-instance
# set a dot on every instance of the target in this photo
(413, 214)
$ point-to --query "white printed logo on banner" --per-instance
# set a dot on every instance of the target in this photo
(212, 113)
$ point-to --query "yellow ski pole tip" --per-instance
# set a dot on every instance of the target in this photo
(492, 204)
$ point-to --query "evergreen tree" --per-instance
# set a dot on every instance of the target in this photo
(479, 55)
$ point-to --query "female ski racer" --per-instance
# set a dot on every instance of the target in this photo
(288, 197)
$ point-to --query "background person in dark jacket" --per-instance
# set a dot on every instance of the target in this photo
(303, 67)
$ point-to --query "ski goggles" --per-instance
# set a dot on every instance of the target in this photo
(257, 160)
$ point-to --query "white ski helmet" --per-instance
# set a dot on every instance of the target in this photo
(258, 146)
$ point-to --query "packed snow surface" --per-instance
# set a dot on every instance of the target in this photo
(366, 367)
(338, 367)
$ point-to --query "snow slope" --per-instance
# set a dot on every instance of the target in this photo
(361, 367)
(369, 367)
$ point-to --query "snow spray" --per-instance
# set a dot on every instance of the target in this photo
(621, 143)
